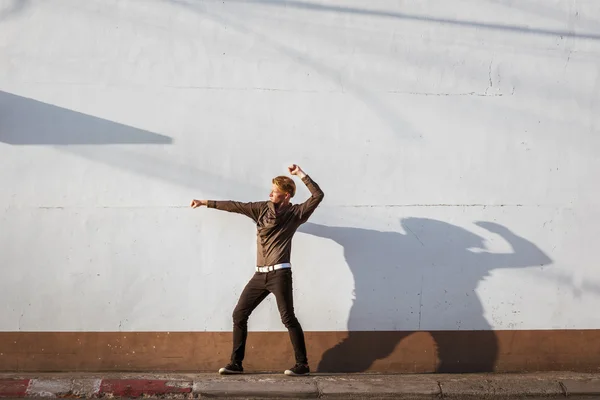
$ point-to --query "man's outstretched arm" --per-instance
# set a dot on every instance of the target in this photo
(305, 209)
(251, 210)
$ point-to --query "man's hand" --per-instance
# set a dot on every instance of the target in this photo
(296, 170)
(197, 203)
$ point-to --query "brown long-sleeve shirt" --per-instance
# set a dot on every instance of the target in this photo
(275, 229)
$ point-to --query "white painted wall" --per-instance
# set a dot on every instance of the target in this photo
(417, 118)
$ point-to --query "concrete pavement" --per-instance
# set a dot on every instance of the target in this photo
(266, 385)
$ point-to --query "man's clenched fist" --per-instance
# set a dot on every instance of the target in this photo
(197, 203)
(296, 170)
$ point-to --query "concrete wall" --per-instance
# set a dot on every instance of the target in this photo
(456, 141)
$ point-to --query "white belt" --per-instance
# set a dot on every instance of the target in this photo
(273, 267)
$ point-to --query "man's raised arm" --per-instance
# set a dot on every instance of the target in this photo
(316, 194)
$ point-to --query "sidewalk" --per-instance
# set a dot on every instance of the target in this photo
(264, 385)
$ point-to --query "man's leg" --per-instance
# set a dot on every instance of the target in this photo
(280, 284)
(252, 295)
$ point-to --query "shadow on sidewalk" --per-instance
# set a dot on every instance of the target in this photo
(427, 278)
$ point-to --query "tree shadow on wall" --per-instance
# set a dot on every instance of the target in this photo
(29, 122)
(429, 275)
(12, 8)
(25, 121)
(501, 27)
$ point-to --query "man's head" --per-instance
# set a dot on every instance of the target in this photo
(283, 190)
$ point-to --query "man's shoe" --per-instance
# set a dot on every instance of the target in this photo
(232, 369)
(298, 370)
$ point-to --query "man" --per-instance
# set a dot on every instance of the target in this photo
(276, 222)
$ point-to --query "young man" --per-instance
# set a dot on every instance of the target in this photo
(276, 222)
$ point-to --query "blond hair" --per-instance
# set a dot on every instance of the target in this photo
(285, 184)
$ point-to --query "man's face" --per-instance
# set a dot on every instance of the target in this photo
(277, 196)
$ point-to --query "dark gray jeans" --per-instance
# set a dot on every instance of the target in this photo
(279, 283)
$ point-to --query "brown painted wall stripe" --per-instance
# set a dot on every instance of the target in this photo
(372, 351)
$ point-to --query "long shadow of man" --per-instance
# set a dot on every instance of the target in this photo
(425, 278)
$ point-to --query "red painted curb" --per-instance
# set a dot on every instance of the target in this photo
(139, 387)
(13, 387)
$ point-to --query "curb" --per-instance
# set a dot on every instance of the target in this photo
(271, 386)
(91, 388)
